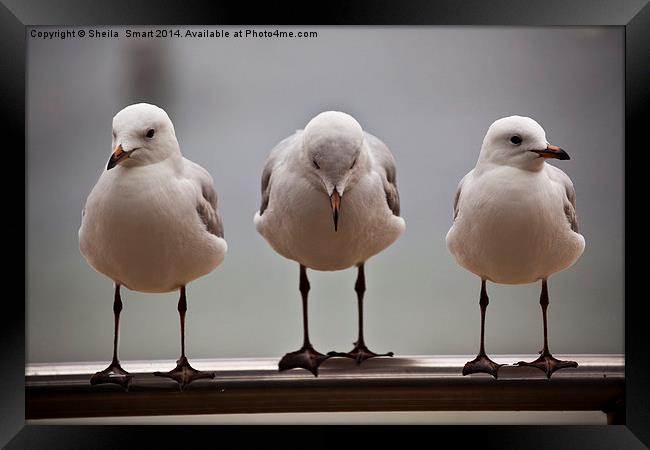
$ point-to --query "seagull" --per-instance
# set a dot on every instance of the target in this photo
(150, 224)
(515, 222)
(329, 202)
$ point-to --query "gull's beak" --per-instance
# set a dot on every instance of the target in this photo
(335, 200)
(552, 151)
(118, 155)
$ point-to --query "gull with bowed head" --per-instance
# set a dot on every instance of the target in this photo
(151, 224)
(329, 202)
(515, 222)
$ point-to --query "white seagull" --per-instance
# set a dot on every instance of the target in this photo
(150, 223)
(329, 202)
(515, 221)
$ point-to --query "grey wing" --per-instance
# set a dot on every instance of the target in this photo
(570, 200)
(386, 162)
(266, 184)
(456, 198)
(206, 206)
(458, 194)
(271, 162)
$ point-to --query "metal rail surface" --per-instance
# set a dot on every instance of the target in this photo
(408, 383)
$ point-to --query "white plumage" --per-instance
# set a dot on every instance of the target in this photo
(515, 219)
(297, 221)
(150, 223)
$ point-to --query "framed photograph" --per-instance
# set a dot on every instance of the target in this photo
(443, 185)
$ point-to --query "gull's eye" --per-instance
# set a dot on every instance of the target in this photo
(353, 163)
(150, 133)
(516, 140)
(316, 164)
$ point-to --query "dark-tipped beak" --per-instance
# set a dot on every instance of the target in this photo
(118, 155)
(335, 200)
(552, 151)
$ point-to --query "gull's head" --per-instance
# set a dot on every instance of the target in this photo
(518, 141)
(332, 143)
(142, 134)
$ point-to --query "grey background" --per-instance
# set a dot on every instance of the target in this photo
(429, 92)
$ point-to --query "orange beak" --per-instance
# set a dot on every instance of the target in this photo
(552, 151)
(335, 200)
(118, 155)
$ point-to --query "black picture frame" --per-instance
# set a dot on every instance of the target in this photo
(633, 15)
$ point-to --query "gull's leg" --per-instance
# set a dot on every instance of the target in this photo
(114, 372)
(546, 362)
(305, 358)
(482, 364)
(184, 373)
(360, 352)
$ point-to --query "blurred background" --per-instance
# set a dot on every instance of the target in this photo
(430, 93)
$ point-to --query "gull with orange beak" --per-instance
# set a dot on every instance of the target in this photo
(515, 222)
(151, 224)
(329, 202)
